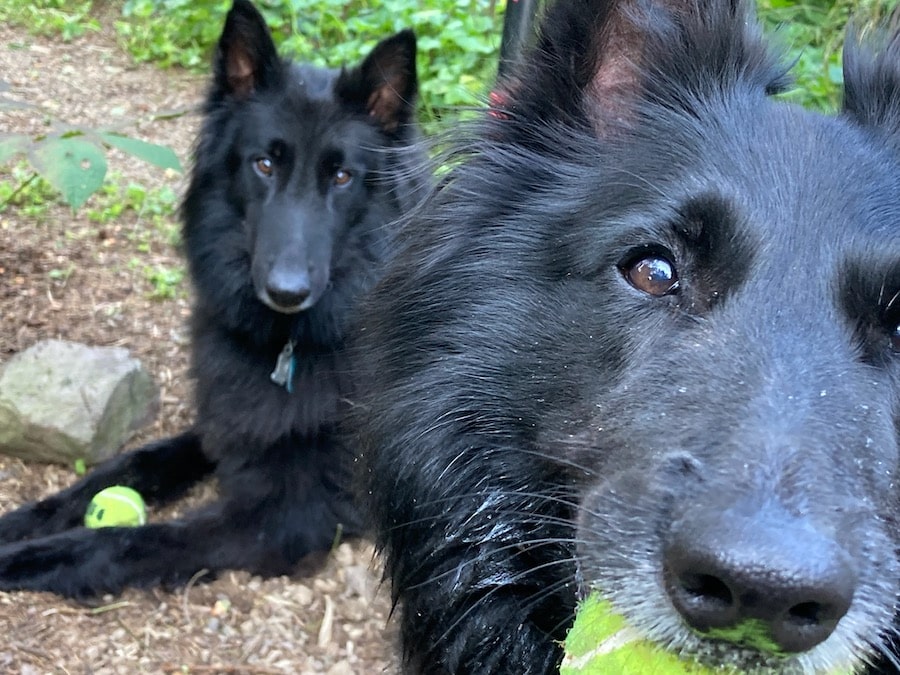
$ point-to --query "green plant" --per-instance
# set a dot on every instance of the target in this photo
(21, 187)
(172, 32)
(72, 159)
(153, 210)
(812, 33)
(63, 18)
(165, 281)
(80, 467)
(458, 39)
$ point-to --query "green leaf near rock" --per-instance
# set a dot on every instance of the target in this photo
(73, 165)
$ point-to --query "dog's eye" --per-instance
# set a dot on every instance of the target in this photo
(342, 177)
(264, 166)
(651, 273)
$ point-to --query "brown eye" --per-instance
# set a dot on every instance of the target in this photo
(342, 177)
(652, 274)
(264, 166)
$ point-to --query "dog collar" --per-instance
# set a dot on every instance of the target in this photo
(283, 375)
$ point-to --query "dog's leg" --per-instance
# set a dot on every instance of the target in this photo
(83, 563)
(160, 471)
(271, 515)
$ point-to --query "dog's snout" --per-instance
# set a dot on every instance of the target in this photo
(779, 587)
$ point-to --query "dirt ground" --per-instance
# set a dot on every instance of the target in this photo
(65, 276)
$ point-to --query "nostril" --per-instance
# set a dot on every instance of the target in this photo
(805, 624)
(707, 589)
(807, 614)
(704, 600)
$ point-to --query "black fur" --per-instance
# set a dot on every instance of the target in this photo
(646, 339)
(298, 172)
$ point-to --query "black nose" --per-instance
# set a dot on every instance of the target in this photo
(778, 586)
(287, 290)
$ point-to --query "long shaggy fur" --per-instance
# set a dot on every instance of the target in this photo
(536, 423)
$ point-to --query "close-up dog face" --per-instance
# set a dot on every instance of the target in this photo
(739, 459)
(644, 342)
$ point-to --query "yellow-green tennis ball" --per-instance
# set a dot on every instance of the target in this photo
(601, 643)
(116, 506)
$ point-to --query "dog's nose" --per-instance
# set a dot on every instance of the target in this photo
(287, 291)
(776, 585)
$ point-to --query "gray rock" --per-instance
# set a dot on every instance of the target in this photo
(61, 401)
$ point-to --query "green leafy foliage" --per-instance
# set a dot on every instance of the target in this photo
(74, 161)
(152, 210)
(21, 187)
(172, 32)
(80, 467)
(458, 40)
(71, 164)
(166, 281)
(67, 19)
(812, 33)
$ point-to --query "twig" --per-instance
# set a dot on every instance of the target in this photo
(185, 605)
(110, 607)
(24, 184)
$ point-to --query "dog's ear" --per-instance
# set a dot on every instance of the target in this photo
(586, 51)
(246, 58)
(385, 83)
(594, 59)
(872, 79)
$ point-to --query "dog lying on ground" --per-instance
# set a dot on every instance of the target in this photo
(298, 172)
(646, 340)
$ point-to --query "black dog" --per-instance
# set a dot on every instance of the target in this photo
(646, 340)
(298, 172)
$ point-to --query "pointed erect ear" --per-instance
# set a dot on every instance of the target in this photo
(872, 79)
(595, 59)
(385, 83)
(587, 51)
(246, 59)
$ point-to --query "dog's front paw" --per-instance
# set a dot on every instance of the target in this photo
(68, 564)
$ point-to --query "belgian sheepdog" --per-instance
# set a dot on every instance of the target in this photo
(298, 172)
(645, 339)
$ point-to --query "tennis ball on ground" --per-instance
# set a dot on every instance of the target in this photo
(601, 643)
(116, 506)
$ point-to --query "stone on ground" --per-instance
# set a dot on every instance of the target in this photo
(63, 401)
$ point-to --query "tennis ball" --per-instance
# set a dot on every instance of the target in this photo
(601, 643)
(116, 506)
